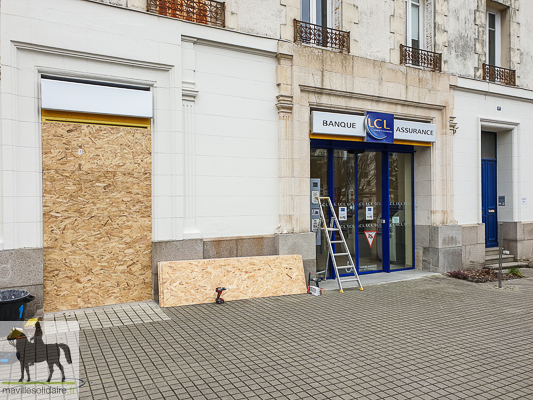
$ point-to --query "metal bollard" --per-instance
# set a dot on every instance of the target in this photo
(500, 242)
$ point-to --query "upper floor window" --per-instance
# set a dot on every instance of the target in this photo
(317, 12)
(493, 38)
(414, 23)
(496, 67)
(418, 49)
(316, 26)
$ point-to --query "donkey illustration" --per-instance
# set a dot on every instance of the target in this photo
(33, 351)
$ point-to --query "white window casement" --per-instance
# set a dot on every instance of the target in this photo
(318, 12)
(494, 38)
(414, 23)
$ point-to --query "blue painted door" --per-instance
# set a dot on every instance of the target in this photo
(489, 201)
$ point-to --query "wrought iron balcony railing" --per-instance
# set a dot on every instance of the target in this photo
(420, 58)
(208, 12)
(307, 33)
(492, 73)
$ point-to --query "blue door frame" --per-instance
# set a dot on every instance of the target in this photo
(489, 203)
(332, 145)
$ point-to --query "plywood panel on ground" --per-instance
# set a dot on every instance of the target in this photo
(194, 282)
(97, 215)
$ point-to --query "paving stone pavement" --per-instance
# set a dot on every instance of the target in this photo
(109, 316)
(430, 338)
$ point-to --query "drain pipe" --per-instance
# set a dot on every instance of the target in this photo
(500, 241)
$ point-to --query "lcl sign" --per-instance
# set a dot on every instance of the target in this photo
(379, 127)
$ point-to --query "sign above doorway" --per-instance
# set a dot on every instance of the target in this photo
(379, 127)
(353, 126)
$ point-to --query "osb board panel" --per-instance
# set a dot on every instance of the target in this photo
(194, 282)
(97, 215)
(104, 148)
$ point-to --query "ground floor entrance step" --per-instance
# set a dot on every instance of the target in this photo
(507, 265)
(492, 251)
(492, 256)
(490, 259)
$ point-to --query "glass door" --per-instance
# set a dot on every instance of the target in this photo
(401, 210)
(369, 186)
(344, 204)
(319, 171)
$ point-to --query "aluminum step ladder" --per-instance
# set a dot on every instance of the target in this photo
(336, 227)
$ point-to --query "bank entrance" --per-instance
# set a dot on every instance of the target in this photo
(371, 187)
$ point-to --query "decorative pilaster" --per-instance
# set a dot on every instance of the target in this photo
(189, 93)
(337, 14)
(440, 18)
(189, 215)
(285, 144)
(429, 25)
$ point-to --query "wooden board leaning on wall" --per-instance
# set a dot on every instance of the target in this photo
(97, 215)
(194, 282)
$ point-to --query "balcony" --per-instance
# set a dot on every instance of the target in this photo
(505, 76)
(420, 58)
(207, 12)
(322, 36)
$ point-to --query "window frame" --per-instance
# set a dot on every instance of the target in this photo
(421, 25)
(497, 37)
(313, 15)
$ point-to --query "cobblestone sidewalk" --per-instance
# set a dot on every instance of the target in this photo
(431, 338)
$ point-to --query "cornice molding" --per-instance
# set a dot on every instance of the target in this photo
(232, 47)
(527, 94)
(90, 56)
(362, 96)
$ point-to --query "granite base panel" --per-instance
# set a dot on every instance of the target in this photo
(439, 249)
(518, 239)
(252, 246)
(473, 243)
(21, 267)
(473, 256)
(309, 266)
(297, 243)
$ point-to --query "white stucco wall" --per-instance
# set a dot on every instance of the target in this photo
(526, 44)
(93, 41)
(476, 110)
(462, 32)
(259, 17)
(373, 30)
(236, 143)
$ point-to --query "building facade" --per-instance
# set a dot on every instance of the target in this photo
(139, 131)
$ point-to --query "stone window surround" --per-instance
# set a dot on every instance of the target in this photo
(510, 35)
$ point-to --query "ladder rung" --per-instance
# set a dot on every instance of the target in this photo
(335, 226)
